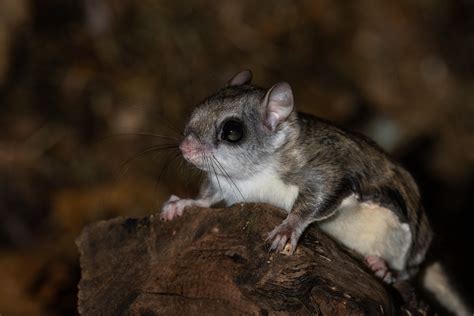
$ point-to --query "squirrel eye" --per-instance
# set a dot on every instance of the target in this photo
(232, 131)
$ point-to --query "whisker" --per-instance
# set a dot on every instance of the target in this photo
(209, 162)
(187, 179)
(171, 126)
(160, 116)
(202, 175)
(228, 177)
(148, 131)
(145, 151)
(147, 134)
(182, 168)
(171, 157)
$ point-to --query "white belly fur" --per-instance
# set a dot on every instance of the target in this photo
(367, 228)
(264, 187)
(370, 229)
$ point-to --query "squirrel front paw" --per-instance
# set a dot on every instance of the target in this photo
(285, 236)
(174, 208)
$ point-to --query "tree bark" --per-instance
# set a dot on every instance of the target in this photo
(216, 261)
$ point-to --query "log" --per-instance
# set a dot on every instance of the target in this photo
(216, 261)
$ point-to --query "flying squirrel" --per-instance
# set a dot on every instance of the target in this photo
(255, 147)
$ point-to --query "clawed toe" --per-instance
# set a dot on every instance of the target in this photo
(380, 268)
(278, 243)
(173, 208)
(284, 239)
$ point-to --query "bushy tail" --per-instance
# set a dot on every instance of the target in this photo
(436, 281)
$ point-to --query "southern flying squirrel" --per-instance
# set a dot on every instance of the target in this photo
(256, 148)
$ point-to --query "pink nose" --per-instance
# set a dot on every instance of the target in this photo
(188, 145)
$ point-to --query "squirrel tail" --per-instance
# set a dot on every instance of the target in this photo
(436, 281)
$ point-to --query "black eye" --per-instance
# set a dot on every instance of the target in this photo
(232, 131)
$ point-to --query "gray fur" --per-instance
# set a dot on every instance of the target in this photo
(326, 163)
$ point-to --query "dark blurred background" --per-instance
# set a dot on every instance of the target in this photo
(76, 75)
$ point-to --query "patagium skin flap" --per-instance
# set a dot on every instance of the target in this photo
(255, 147)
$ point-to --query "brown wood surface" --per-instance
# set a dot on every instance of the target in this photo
(216, 262)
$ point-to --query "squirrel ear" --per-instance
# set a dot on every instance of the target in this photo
(277, 105)
(243, 77)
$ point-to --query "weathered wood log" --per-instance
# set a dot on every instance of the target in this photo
(216, 261)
